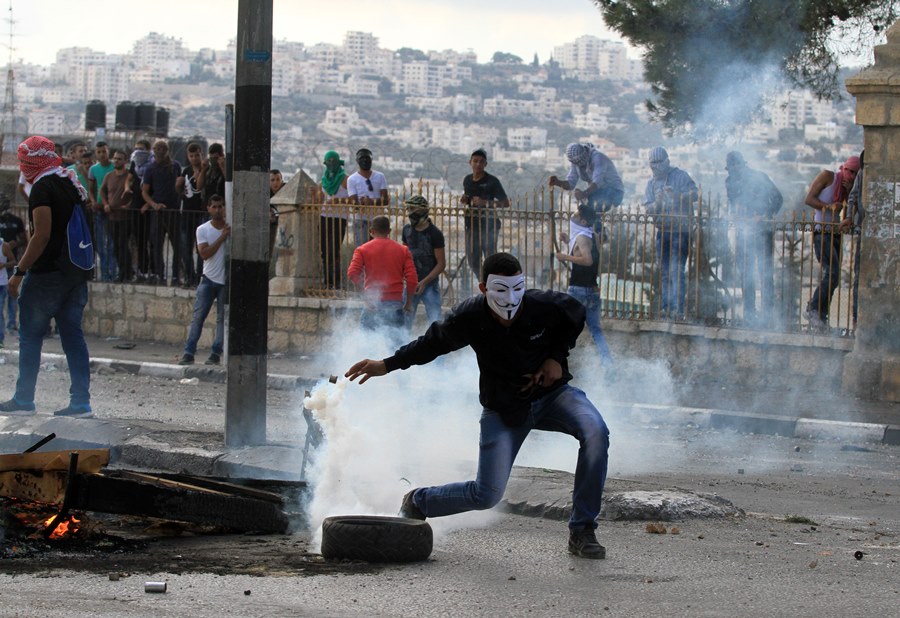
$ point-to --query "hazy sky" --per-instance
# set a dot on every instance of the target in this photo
(522, 27)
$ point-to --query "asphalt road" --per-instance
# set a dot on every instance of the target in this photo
(507, 565)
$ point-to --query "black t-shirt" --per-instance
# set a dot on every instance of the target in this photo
(422, 245)
(61, 196)
(214, 183)
(195, 202)
(487, 188)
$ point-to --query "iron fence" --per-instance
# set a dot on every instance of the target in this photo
(738, 272)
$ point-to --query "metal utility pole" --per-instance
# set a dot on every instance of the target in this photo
(245, 403)
(7, 125)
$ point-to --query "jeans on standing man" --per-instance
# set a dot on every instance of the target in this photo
(672, 249)
(828, 252)
(431, 297)
(208, 292)
(44, 296)
(590, 298)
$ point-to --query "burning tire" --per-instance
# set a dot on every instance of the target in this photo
(376, 539)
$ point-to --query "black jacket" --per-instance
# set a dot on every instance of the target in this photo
(547, 326)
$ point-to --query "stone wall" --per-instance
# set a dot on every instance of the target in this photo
(302, 325)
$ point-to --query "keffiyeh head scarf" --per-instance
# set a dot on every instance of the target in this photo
(38, 158)
(578, 154)
(846, 174)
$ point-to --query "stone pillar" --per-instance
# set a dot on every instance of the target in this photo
(298, 265)
(872, 369)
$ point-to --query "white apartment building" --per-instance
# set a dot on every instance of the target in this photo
(589, 58)
(453, 57)
(462, 138)
(420, 78)
(457, 105)
(42, 122)
(360, 86)
(794, 109)
(359, 47)
(340, 121)
(828, 131)
(526, 138)
(158, 48)
(596, 118)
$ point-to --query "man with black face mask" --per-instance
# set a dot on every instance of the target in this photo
(426, 243)
(367, 188)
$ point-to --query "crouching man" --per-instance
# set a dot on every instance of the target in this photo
(522, 339)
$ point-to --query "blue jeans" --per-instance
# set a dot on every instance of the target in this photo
(381, 314)
(3, 295)
(431, 297)
(565, 410)
(590, 298)
(106, 250)
(12, 305)
(605, 199)
(207, 293)
(53, 295)
(672, 251)
(827, 246)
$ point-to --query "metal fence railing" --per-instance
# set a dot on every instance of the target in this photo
(744, 273)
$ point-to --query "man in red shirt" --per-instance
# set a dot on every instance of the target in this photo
(383, 266)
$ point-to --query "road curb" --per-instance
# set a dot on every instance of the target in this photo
(703, 418)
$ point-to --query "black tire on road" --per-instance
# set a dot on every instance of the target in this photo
(376, 539)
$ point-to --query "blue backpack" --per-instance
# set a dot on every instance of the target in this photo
(79, 248)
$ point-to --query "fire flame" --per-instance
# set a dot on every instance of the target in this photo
(63, 529)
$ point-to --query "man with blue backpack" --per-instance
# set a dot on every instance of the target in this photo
(50, 279)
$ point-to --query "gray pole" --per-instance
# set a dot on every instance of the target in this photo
(245, 403)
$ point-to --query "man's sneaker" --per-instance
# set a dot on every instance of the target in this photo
(187, 359)
(212, 360)
(583, 543)
(409, 509)
(14, 408)
(75, 412)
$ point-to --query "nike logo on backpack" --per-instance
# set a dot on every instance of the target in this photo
(81, 245)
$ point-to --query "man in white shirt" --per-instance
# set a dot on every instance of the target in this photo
(366, 188)
(211, 237)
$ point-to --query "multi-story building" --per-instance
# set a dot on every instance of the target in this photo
(589, 58)
(340, 120)
(526, 138)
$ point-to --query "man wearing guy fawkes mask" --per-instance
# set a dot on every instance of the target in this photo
(521, 339)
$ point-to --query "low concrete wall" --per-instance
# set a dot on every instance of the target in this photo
(698, 354)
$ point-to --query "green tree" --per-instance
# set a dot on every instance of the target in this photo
(505, 58)
(701, 50)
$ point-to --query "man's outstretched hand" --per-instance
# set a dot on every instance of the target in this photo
(367, 368)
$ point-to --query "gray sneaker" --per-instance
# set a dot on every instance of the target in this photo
(75, 412)
(583, 543)
(214, 359)
(14, 408)
(409, 509)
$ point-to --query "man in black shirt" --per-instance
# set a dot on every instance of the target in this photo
(521, 340)
(426, 243)
(482, 193)
(52, 287)
(12, 231)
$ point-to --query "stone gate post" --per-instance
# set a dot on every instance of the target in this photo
(872, 369)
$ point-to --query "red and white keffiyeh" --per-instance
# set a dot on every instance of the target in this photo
(38, 158)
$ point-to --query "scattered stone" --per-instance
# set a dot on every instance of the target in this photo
(858, 555)
(796, 468)
(813, 564)
(189, 381)
(655, 528)
(113, 577)
(675, 530)
(247, 593)
(511, 578)
(740, 470)
(796, 449)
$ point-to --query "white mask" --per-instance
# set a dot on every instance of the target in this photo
(504, 294)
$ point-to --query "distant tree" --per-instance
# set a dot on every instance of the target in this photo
(408, 54)
(535, 63)
(699, 50)
(505, 58)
